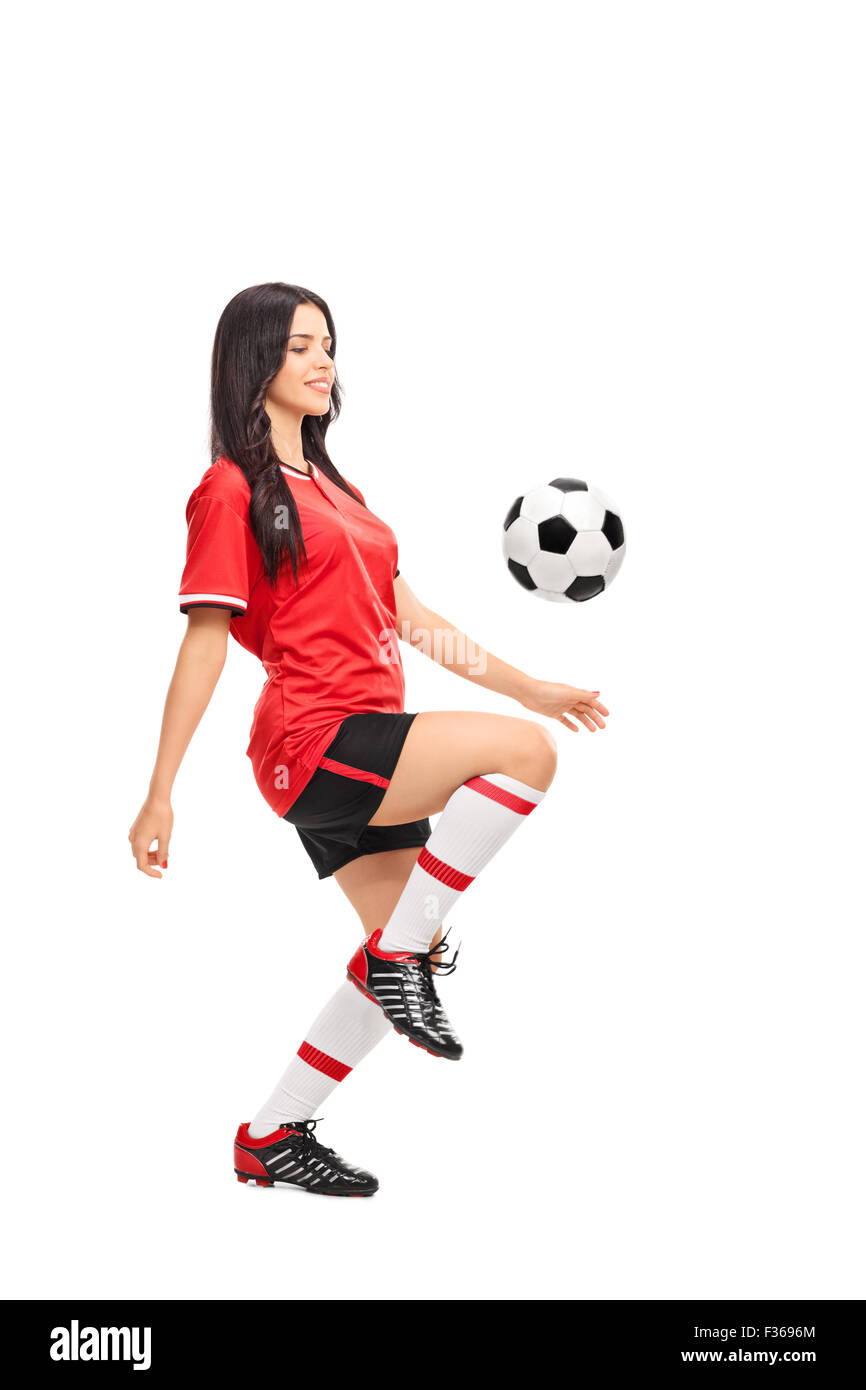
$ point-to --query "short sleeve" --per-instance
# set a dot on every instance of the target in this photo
(216, 573)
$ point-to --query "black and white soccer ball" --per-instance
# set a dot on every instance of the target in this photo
(564, 540)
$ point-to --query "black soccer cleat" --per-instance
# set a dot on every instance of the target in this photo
(401, 983)
(292, 1155)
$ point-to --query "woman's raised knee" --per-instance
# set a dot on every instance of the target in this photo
(535, 754)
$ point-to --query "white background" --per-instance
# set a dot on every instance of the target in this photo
(619, 241)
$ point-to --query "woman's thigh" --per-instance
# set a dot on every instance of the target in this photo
(444, 748)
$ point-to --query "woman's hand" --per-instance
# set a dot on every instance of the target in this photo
(153, 822)
(558, 701)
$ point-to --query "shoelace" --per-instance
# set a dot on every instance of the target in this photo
(422, 978)
(309, 1143)
(425, 957)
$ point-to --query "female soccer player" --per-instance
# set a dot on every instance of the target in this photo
(283, 552)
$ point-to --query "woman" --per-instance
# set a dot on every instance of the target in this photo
(283, 553)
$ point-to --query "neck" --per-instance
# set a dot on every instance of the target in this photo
(286, 439)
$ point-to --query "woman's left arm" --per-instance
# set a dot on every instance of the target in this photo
(430, 633)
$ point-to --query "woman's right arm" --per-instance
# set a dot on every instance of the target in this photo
(200, 661)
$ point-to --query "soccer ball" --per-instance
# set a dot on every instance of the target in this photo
(564, 540)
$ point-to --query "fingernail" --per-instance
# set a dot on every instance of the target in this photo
(164, 864)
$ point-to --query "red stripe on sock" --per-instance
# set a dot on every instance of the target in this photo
(358, 773)
(322, 1062)
(505, 798)
(437, 868)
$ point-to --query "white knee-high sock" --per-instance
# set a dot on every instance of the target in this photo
(347, 1029)
(475, 822)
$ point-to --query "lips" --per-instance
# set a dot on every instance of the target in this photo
(323, 386)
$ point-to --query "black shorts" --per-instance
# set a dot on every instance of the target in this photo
(331, 814)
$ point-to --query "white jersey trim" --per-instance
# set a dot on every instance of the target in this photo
(296, 472)
(213, 598)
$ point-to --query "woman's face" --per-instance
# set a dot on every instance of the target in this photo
(307, 360)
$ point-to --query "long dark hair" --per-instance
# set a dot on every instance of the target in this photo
(249, 349)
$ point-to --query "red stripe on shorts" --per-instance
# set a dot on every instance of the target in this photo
(514, 803)
(331, 765)
(437, 868)
(322, 1062)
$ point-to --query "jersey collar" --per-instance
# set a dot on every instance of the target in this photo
(293, 472)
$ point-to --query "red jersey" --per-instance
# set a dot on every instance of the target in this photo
(328, 644)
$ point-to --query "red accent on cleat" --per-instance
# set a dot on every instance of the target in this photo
(247, 1163)
(372, 944)
(357, 969)
(262, 1182)
(363, 990)
(243, 1137)
(241, 1178)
